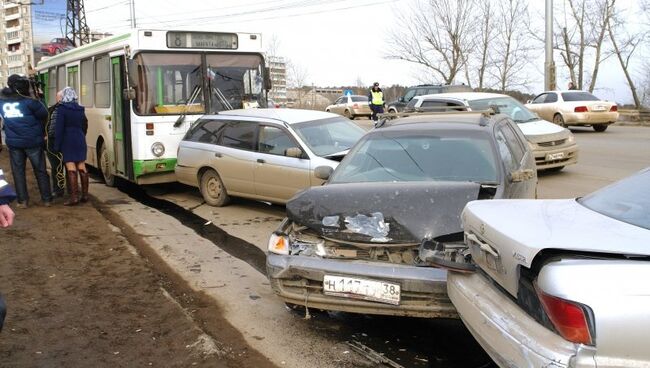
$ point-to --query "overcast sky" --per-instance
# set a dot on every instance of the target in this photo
(337, 41)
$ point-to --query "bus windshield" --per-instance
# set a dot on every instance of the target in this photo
(188, 83)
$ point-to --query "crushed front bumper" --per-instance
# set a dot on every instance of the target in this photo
(547, 158)
(508, 334)
(299, 280)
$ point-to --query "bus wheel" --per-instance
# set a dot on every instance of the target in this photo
(105, 166)
(212, 189)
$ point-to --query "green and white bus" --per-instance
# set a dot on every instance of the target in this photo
(142, 91)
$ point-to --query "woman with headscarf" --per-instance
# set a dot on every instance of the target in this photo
(70, 140)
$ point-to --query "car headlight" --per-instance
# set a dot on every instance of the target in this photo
(279, 244)
(571, 139)
(158, 149)
(532, 145)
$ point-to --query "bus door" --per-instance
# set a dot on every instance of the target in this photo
(121, 131)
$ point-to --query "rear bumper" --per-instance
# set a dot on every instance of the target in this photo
(588, 118)
(299, 280)
(361, 111)
(510, 336)
(544, 157)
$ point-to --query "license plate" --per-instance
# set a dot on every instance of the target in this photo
(555, 156)
(378, 291)
(599, 108)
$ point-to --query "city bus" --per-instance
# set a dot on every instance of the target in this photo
(142, 91)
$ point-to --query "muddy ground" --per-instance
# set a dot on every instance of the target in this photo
(80, 295)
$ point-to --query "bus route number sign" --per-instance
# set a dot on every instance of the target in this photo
(201, 40)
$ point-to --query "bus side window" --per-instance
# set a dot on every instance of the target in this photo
(102, 82)
(86, 90)
(51, 86)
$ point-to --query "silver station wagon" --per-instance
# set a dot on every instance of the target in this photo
(263, 154)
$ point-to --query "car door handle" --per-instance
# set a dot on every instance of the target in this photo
(261, 161)
(217, 154)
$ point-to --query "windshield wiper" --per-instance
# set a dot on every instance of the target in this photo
(527, 120)
(195, 93)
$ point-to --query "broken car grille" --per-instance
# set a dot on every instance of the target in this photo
(552, 143)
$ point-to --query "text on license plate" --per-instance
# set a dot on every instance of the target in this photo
(555, 156)
(379, 291)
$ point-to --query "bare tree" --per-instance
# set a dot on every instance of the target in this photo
(624, 45)
(511, 46)
(486, 33)
(436, 35)
(273, 46)
(297, 79)
(604, 14)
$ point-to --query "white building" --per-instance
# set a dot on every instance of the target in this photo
(278, 73)
(16, 45)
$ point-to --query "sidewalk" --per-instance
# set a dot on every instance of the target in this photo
(78, 295)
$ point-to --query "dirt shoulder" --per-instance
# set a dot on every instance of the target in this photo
(79, 294)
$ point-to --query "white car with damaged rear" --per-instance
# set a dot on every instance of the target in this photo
(560, 283)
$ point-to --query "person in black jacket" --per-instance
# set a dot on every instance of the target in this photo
(55, 158)
(24, 134)
(6, 219)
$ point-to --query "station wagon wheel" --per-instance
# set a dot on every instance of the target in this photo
(212, 189)
(600, 127)
(559, 120)
(347, 114)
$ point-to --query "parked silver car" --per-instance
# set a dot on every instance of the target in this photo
(560, 283)
(264, 154)
(358, 243)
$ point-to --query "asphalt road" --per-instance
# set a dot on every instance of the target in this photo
(604, 158)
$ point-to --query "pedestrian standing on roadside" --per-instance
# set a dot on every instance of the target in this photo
(23, 119)
(376, 97)
(55, 158)
(572, 86)
(70, 140)
(7, 195)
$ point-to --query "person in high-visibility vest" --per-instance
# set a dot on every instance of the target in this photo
(376, 98)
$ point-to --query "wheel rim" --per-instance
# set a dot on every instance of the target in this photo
(214, 188)
(557, 119)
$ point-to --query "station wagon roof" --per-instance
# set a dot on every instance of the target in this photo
(470, 96)
(289, 116)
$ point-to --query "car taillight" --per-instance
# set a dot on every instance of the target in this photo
(571, 319)
(580, 109)
(614, 108)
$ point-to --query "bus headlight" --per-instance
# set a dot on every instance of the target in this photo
(158, 149)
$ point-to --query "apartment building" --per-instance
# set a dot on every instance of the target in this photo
(16, 45)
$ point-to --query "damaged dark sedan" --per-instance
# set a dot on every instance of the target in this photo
(363, 242)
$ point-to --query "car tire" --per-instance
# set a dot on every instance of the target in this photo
(348, 115)
(212, 189)
(392, 111)
(600, 127)
(559, 120)
(105, 166)
(327, 110)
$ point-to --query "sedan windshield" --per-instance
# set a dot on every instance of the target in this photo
(627, 200)
(505, 105)
(425, 156)
(326, 137)
(578, 96)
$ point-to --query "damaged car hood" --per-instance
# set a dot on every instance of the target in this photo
(400, 212)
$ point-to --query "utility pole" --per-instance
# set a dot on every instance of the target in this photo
(549, 64)
(132, 8)
(76, 29)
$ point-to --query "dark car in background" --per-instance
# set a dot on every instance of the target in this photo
(424, 89)
(359, 243)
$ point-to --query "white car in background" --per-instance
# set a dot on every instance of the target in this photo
(560, 283)
(574, 108)
(553, 146)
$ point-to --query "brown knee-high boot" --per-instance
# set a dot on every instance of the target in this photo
(74, 188)
(83, 176)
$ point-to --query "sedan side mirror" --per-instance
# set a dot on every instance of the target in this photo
(521, 175)
(293, 152)
(323, 172)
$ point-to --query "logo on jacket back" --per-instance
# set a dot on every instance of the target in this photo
(11, 110)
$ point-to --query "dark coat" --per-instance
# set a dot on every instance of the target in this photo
(7, 193)
(23, 119)
(70, 135)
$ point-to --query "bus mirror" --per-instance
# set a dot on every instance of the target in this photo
(128, 93)
(267, 79)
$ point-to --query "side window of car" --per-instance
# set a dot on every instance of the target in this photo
(239, 135)
(206, 131)
(338, 101)
(274, 140)
(504, 151)
(412, 103)
(513, 145)
(431, 91)
(409, 95)
(552, 97)
(540, 99)
(433, 103)
(420, 92)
